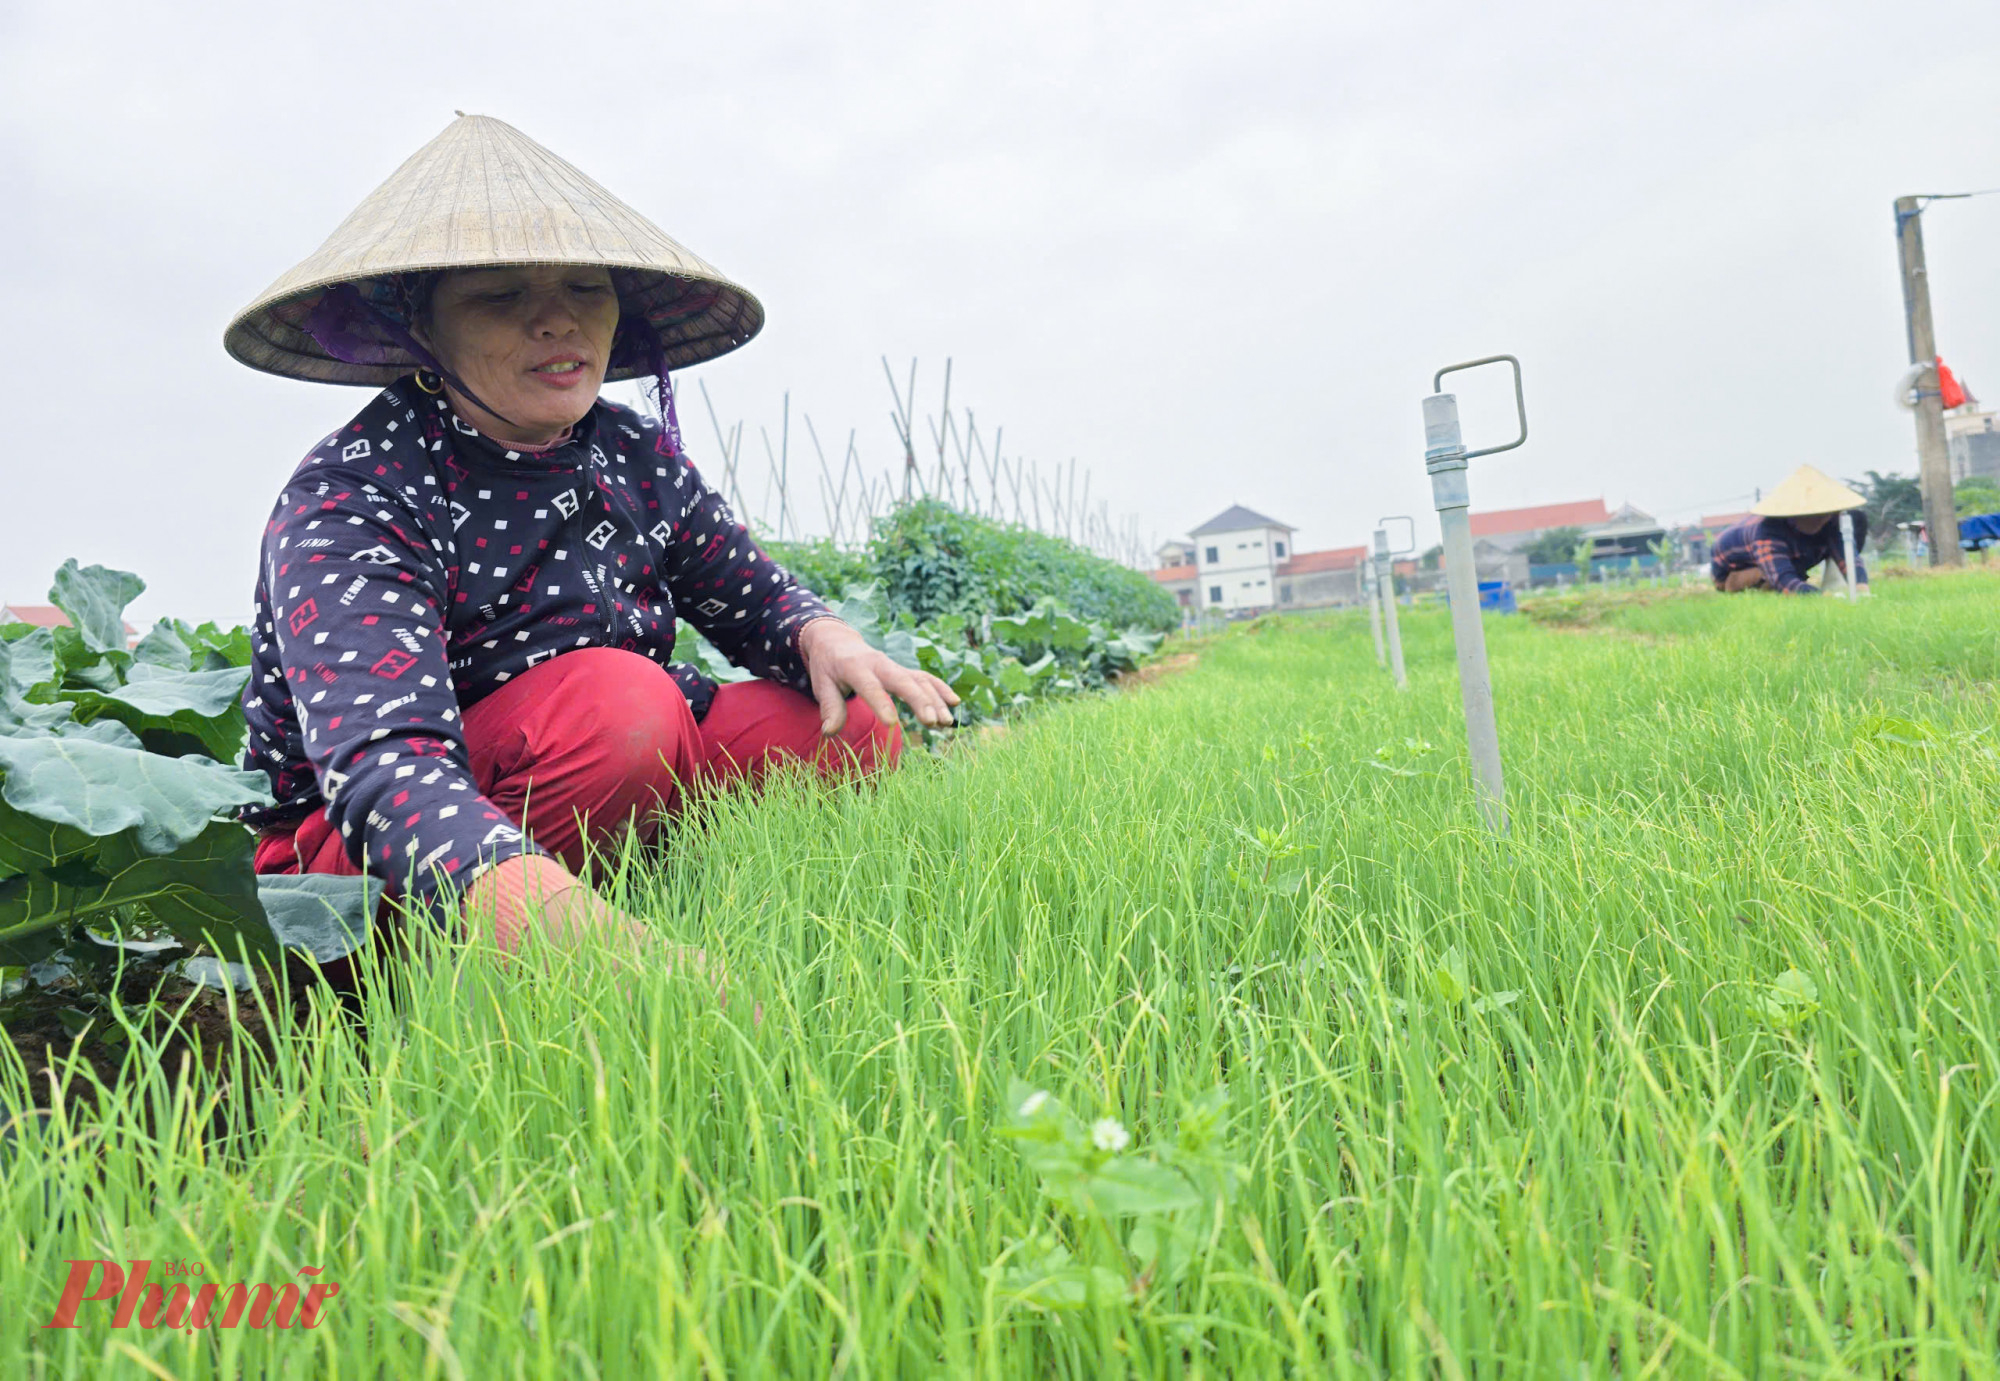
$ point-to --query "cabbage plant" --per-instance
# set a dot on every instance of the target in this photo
(119, 791)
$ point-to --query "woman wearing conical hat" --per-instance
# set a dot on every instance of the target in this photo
(469, 591)
(1790, 532)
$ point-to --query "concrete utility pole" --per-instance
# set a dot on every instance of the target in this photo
(1933, 459)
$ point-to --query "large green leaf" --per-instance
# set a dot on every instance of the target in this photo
(206, 693)
(26, 665)
(95, 597)
(1012, 678)
(902, 647)
(1016, 630)
(33, 943)
(27, 842)
(1067, 633)
(862, 611)
(319, 914)
(1043, 628)
(100, 781)
(83, 665)
(205, 889)
(708, 659)
(1130, 647)
(203, 704)
(215, 647)
(968, 677)
(164, 647)
(940, 659)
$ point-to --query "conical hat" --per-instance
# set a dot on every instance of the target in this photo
(483, 194)
(1805, 492)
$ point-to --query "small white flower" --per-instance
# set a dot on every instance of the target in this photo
(1034, 1103)
(1109, 1134)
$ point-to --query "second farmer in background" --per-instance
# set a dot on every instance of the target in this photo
(1790, 532)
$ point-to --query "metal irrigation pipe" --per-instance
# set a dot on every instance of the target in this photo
(1445, 458)
(1385, 589)
(1374, 593)
(1385, 595)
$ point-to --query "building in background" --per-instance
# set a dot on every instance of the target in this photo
(1972, 445)
(35, 615)
(1511, 529)
(1242, 562)
(1625, 534)
(1501, 540)
(1321, 579)
(1236, 557)
(1180, 581)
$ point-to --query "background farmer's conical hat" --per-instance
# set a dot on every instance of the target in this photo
(1806, 491)
(480, 194)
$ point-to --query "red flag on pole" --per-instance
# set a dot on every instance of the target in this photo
(1951, 393)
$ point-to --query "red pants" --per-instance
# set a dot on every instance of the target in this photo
(587, 743)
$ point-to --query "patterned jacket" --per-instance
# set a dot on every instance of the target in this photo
(412, 567)
(1784, 553)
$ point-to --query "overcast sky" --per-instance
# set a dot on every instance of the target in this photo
(1212, 251)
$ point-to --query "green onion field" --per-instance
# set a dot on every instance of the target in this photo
(1191, 1029)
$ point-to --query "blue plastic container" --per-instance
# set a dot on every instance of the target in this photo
(1497, 596)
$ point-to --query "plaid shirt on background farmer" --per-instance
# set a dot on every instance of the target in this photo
(1784, 553)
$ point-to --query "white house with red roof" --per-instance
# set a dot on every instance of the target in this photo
(1240, 561)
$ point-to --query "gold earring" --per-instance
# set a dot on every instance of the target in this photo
(429, 382)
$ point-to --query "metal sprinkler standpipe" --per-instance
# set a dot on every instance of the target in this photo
(1445, 458)
(1847, 544)
(1371, 586)
(1385, 590)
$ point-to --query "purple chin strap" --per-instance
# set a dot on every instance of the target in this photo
(638, 346)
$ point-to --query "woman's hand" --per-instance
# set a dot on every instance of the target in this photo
(532, 897)
(839, 660)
